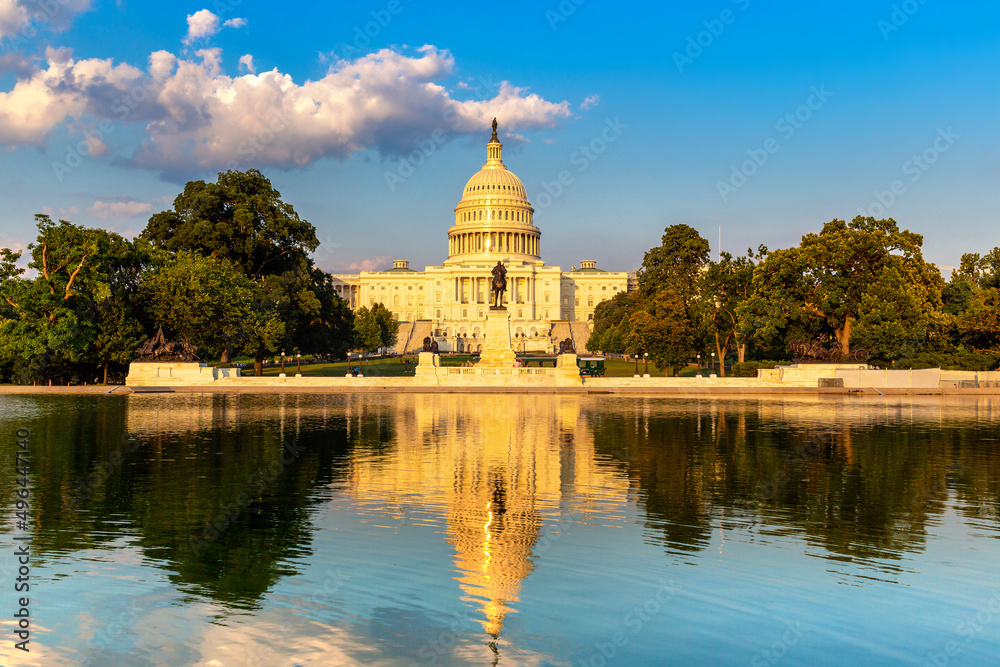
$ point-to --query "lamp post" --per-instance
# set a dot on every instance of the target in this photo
(282, 363)
(637, 365)
(699, 364)
(645, 356)
(712, 368)
(298, 357)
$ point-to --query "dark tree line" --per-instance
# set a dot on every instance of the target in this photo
(227, 268)
(862, 284)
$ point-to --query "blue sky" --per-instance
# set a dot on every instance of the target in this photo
(766, 119)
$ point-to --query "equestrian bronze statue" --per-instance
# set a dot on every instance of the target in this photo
(498, 287)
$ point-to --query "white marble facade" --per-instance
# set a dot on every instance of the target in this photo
(494, 221)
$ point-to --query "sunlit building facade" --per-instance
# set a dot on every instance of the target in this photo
(494, 221)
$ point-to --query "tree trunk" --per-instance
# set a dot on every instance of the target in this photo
(105, 372)
(741, 352)
(844, 337)
(722, 356)
(258, 366)
(227, 354)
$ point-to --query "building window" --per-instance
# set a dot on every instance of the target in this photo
(604, 288)
(439, 314)
(576, 302)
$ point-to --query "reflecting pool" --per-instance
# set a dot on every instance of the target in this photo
(224, 530)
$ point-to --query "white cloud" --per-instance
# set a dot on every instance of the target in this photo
(13, 16)
(246, 64)
(204, 23)
(198, 118)
(67, 213)
(105, 210)
(16, 14)
(591, 101)
(374, 264)
(45, 98)
(201, 24)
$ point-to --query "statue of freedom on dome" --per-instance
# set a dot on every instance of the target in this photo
(498, 286)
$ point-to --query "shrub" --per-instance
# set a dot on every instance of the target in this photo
(748, 369)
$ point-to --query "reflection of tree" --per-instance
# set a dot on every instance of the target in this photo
(664, 462)
(862, 489)
(171, 486)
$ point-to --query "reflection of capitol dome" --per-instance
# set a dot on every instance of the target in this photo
(494, 215)
(492, 481)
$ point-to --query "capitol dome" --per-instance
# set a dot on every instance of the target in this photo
(494, 219)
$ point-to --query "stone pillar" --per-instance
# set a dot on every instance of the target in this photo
(497, 350)
(427, 368)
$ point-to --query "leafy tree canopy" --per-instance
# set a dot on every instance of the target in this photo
(240, 218)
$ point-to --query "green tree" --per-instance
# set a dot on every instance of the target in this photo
(243, 219)
(611, 324)
(63, 320)
(367, 333)
(663, 331)
(979, 325)
(240, 218)
(727, 284)
(206, 301)
(388, 327)
(819, 287)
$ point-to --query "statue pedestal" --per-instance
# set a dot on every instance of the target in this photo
(497, 351)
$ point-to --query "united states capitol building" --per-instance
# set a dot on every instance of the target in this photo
(494, 221)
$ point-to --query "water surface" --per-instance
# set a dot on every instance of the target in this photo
(510, 530)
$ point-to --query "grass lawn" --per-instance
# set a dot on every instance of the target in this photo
(392, 367)
(620, 368)
(374, 368)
